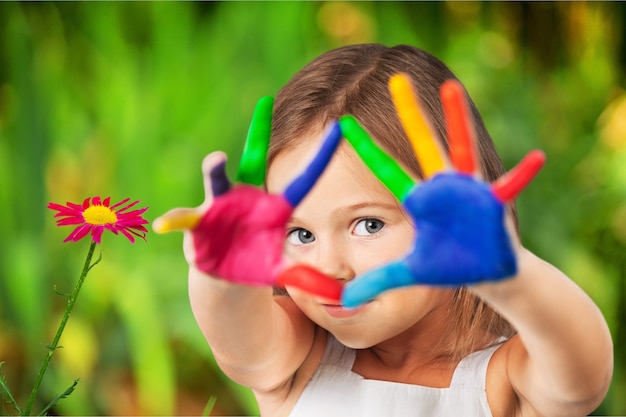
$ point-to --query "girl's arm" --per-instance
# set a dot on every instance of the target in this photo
(562, 362)
(258, 340)
(233, 245)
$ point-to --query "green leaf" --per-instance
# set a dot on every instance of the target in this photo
(96, 262)
(58, 398)
(6, 392)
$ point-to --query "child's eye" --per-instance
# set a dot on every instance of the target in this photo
(300, 237)
(367, 227)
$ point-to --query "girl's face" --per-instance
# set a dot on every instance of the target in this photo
(348, 224)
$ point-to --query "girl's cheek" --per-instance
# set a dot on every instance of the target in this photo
(288, 254)
(294, 255)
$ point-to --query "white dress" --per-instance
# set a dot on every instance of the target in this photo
(336, 391)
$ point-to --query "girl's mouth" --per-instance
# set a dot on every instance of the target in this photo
(340, 312)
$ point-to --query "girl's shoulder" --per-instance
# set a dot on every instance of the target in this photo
(472, 369)
(501, 395)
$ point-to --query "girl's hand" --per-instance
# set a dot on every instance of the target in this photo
(459, 219)
(238, 233)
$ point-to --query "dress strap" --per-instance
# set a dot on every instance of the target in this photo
(471, 372)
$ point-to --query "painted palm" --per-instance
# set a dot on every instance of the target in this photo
(238, 233)
(461, 237)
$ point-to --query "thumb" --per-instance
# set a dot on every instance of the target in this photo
(215, 184)
(177, 219)
(216, 181)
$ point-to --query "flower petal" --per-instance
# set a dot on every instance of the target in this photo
(128, 235)
(120, 203)
(135, 221)
(70, 237)
(96, 234)
(79, 233)
(136, 213)
(68, 221)
(121, 211)
(73, 206)
(67, 211)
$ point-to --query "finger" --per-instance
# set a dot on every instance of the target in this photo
(215, 184)
(216, 181)
(310, 280)
(177, 219)
(295, 192)
(461, 135)
(507, 187)
(254, 158)
(378, 161)
(426, 145)
(366, 287)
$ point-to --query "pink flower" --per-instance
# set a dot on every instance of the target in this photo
(97, 216)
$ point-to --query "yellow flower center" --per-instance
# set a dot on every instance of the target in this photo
(99, 215)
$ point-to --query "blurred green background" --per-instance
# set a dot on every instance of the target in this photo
(125, 99)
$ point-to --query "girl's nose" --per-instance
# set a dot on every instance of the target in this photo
(334, 261)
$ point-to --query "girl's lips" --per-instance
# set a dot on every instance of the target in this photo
(340, 312)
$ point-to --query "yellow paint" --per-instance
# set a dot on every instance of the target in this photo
(180, 219)
(415, 125)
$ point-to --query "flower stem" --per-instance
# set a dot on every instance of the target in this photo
(55, 343)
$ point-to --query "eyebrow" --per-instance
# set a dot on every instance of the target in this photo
(359, 206)
(369, 204)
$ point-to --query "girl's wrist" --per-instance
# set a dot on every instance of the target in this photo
(510, 286)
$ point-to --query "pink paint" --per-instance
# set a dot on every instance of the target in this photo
(240, 238)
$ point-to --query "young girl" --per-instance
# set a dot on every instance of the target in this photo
(530, 345)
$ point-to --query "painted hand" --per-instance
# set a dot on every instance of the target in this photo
(461, 237)
(238, 233)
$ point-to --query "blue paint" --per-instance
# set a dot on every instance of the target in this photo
(219, 180)
(461, 239)
(298, 188)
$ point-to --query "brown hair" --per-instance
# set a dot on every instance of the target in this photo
(353, 80)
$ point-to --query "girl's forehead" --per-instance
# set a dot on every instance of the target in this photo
(290, 162)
